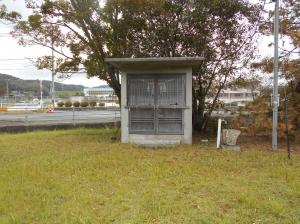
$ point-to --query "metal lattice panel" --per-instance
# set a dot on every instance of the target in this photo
(171, 91)
(141, 92)
(141, 120)
(170, 121)
(155, 104)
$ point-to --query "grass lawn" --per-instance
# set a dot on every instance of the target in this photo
(79, 176)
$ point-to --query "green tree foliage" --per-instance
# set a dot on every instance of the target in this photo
(251, 82)
(258, 117)
(60, 104)
(6, 16)
(93, 103)
(289, 59)
(68, 104)
(76, 104)
(84, 33)
(84, 104)
(289, 27)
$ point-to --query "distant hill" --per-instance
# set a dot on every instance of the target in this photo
(23, 86)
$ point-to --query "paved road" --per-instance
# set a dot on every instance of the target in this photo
(58, 117)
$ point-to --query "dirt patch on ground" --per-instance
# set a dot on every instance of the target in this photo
(249, 142)
(266, 142)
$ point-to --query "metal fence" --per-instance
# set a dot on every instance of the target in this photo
(72, 117)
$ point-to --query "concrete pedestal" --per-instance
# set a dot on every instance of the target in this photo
(231, 147)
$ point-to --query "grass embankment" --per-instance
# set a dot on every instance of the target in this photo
(79, 176)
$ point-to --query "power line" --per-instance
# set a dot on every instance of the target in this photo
(6, 35)
(9, 66)
(3, 33)
(16, 69)
(16, 59)
(13, 63)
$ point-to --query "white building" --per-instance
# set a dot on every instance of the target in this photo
(237, 97)
(101, 91)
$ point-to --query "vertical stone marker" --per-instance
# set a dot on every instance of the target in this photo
(229, 139)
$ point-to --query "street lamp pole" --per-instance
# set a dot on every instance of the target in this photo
(275, 79)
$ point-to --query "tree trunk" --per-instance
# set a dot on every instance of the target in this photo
(114, 82)
(198, 109)
(118, 93)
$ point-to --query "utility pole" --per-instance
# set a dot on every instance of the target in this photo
(275, 79)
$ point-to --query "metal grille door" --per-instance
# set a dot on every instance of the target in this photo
(156, 104)
(171, 91)
(169, 121)
(141, 92)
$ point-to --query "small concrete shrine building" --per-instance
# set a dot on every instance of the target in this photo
(156, 99)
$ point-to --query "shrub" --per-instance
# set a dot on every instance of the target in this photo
(76, 104)
(93, 103)
(3, 109)
(84, 104)
(101, 104)
(68, 104)
(60, 104)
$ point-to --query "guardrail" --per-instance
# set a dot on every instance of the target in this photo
(24, 108)
(70, 118)
(86, 108)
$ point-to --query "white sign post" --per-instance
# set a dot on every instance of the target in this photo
(219, 133)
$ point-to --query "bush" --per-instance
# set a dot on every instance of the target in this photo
(84, 104)
(3, 109)
(93, 103)
(68, 104)
(60, 104)
(101, 104)
(76, 104)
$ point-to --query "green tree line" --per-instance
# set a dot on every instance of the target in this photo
(83, 33)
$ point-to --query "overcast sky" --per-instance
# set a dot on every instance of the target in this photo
(9, 49)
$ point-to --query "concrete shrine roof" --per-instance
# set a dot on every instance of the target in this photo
(154, 63)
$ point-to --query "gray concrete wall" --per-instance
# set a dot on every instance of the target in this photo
(124, 110)
(188, 113)
(158, 140)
